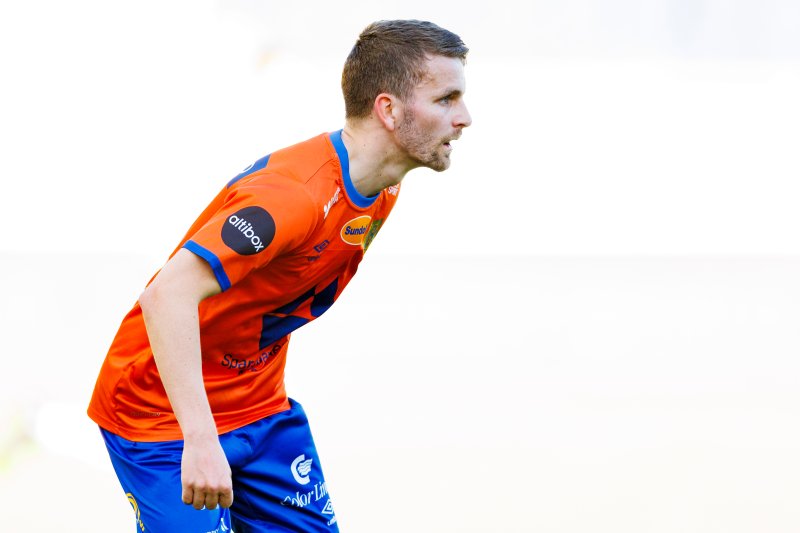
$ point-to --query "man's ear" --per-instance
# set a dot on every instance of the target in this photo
(387, 108)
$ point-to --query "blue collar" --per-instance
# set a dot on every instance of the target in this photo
(359, 199)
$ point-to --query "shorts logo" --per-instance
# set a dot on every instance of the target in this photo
(136, 510)
(222, 527)
(354, 231)
(249, 230)
(300, 469)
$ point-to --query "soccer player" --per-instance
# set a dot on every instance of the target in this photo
(190, 398)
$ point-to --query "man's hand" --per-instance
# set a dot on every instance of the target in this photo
(206, 475)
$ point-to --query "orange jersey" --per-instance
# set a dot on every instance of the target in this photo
(283, 238)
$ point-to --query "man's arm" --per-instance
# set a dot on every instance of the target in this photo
(169, 306)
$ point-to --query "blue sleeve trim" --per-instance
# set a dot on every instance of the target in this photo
(341, 150)
(213, 261)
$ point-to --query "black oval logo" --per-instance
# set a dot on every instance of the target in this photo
(249, 230)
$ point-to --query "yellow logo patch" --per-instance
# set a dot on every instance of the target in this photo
(354, 231)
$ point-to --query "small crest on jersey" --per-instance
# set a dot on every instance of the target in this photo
(354, 231)
(372, 231)
(394, 189)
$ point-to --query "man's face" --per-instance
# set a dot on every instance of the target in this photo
(435, 114)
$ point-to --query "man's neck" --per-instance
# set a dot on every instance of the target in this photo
(375, 162)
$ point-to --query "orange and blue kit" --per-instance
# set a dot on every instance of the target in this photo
(283, 239)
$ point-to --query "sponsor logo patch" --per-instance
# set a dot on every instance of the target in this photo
(300, 469)
(311, 496)
(249, 230)
(354, 231)
(250, 365)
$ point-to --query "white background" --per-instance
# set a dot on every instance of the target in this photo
(587, 324)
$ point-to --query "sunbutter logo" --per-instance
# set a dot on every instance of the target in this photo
(249, 230)
(353, 232)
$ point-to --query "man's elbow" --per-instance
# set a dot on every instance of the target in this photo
(149, 298)
(158, 294)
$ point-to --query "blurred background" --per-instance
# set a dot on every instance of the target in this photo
(589, 323)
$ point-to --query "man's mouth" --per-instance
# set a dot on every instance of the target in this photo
(448, 142)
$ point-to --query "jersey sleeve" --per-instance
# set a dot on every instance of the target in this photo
(254, 224)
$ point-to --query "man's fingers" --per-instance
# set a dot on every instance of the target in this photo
(199, 499)
(226, 498)
(223, 499)
(212, 498)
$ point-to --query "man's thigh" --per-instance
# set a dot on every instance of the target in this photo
(278, 484)
(150, 475)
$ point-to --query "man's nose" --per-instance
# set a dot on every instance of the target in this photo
(463, 118)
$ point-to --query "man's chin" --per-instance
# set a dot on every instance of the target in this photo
(439, 165)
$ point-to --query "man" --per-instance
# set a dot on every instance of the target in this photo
(190, 399)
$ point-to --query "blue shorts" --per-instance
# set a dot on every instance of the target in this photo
(277, 481)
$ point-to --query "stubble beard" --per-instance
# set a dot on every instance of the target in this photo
(420, 146)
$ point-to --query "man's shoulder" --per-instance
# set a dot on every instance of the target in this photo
(298, 162)
(305, 160)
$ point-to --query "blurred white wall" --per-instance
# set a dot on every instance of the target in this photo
(599, 127)
(586, 324)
